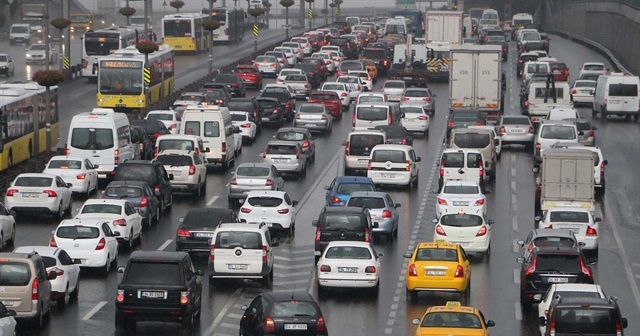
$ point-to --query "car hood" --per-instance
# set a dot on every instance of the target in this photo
(4, 63)
(36, 52)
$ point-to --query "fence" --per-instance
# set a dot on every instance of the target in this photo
(34, 165)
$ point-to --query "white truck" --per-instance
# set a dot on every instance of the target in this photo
(443, 26)
(565, 179)
(475, 79)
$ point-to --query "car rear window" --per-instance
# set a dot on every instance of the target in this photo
(459, 189)
(348, 252)
(281, 150)
(233, 239)
(362, 144)
(471, 140)
(78, 232)
(175, 160)
(558, 66)
(554, 242)
(569, 216)
(136, 172)
(367, 202)
(515, 121)
(264, 201)
(593, 67)
(330, 86)
(238, 117)
(268, 104)
(623, 90)
(394, 85)
(374, 54)
(296, 78)
(246, 70)
(586, 320)
(586, 84)
(65, 164)
(92, 138)
(558, 262)
(337, 222)
(395, 156)
(452, 319)
(252, 171)
(160, 116)
(461, 220)
(14, 274)
(291, 136)
(436, 254)
(123, 192)
(323, 96)
(308, 108)
(176, 144)
(541, 93)
(416, 93)
(206, 218)
(453, 160)
(294, 308)
(346, 66)
(370, 99)
(411, 109)
(348, 188)
(33, 181)
(558, 132)
(48, 262)
(163, 273)
(102, 208)
(370, 113)
(240, 106)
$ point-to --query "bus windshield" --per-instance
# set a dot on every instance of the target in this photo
(121, 80)
(177, 28)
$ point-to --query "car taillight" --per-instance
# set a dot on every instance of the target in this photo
(423, 118)
(81, 176)
(335, 200)
(389, 119)
(618, 328)
(283, 211)
(279, 80)
(142, 147)
(192, 170)
(479, 123)
(264, 253)
(440, 230)
(585, 269)
(367, 235)
(405, 141)
(602, 169)
(442, 201)
(346, 150)
(318, 234)
(531, 269)
(264, 153)
(405, 98)
(245, 126)
(120, 222)
(11, 192)
(441, 168)
(306, 144)
(412, 270)
(35, 290)
(144, 202)
(459, 272)
(156, 189)
(321, 326)
(479, 202)
(184, 233)
(591, 133)
(531, 130)
(407, 166)
(481, 165)
(223, 148)
(591, 231)
(426, 99)
(50, 193)
(344, 94)
(212, 252)
(52, 242)
(386, 214)
(85, 63)
(276, 111)
(370, 269)
(256, 65)
(502, 130)
(526, 103)
(274, 65)
(268, 183)
(101, 244)
(245, 210)
(59, 272)
(116, 157)
(538, 146)
(482, 231)
(120, 296)
(552, 327)
(369, 165)
(450, 124)
(325, 268)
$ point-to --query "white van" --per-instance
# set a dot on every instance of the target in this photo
(20, 33)
(370, 115)
(462, 165)
(483, 140)
(103, 137)
(617, 94)
(214, 125)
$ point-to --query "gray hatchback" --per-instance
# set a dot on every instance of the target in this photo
(313, 117)
(253, 176)
(140, 195)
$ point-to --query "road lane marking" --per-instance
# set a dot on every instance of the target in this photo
(324, 172)
(516, 246)
(165, 244)
(516, 276)
(94, 310)
(212, 200)
(518, 311)
(232, 300)
(514, 223)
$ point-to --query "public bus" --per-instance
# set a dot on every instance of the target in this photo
(104, 42)
(184, 32)
(121, 82)
(17, 103)
(232, 21)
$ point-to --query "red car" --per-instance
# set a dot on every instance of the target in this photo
(330, 99)
(250, 75)
(560, 71)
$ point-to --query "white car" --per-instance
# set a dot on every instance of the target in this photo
(8, 227)
(188, 169)
(7, 66)
(394, 165)
(342, 91)
(66, 285)
(330, 48)
(582, 91)
(394, 89)
(415, 119)
(365, 79)
(355, 85)
(459, 196)
(121, 215)
(169, 118)
(267, 64)
(90, 240)
(372, 97)
(565, 291)
(331, 65)
(336, 56)
(577, 220)
(275, 208)
(289, 53)
(285, 72)
(304, 43)
(349, 264)
(297, 49)
(8, 323)
(42, 193)
(36, 53)
(469, 230)
(593, 68)
(247, 127)
(78, 171)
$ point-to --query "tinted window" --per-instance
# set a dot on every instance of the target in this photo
(226, 78)
(163, 273)
(348, 188)
(362, 144)
(92, 138)
(268, 104)
(102, 208)
(323, 97)
(78, 232)
(395, 156)
(455, 320)
(238, 117)
(416, 93)
(472, 140)
(461, 220)
(264, 202)
(338, 87)
(586, 320)
(33, 181)
(175, 160)
(281, 149)
(240, 106)
(252, 171)
(464, 116)
(123, 192)
(296, 78)
(14, 274)
(176, 144)
(267, 59)
(558, 262)
(348, 252)
(346, 66)
(453, 160)
(437, 254)
(208, 218)
(136, 172)
(160, 116)
(586, 84)
(558, 132)
(48, 262)
(367, 202)
(370, 99)
(569, 216)
(371, 113)
(411, 109)
(211, 129)
(515, 121)
(374, 54)
(474, 160)
(233, 239)
(623, 90)
(337, 222)
(398, 85)
(464, 190)
(541, 93)
(291, 136)
(307, 108)
(598, 67)
(554, 242)
(294, 308)
(65, 164)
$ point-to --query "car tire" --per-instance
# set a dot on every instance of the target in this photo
(60, 212)
(76, 291)
(38, 321)
(106, 268)
(11, 241)
(197, 193)
(187, 324)
(412, 295)
(129, 242)
(266, 280)
(63, 302)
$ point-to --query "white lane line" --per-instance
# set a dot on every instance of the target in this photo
(514, 223)
(212, 200)
(516, 276)
(223, 312)
(516, 247)
(518, 311)
(165, 244)
(635, 264)
(94, 310)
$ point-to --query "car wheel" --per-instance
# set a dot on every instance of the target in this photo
(139, 239)
(76, 291)
(1, 241)
(64, 300)
(156, 219)
(129, 246)
(60, 213)
(266, 280)
(170, 205)
(197, 193)
(187, 324)
(38, 320)
(107, 266)
(12, 240)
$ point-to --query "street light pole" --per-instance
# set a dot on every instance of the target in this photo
(146, 19)
(45, 23)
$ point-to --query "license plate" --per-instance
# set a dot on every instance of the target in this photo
(436, 273)
(406, 78)
(585, 91)
(242, 267)
(557, 280)
(204, 234)
(385, 175)
(152, 294)
(309, 125)
(280, 160)
(363, 161)
(348, 269)
(460, 203)
(288, 326)
(121, 105)
(410, 120)
(30, 195)
(463, 244)
(265, 119)
(517, 131)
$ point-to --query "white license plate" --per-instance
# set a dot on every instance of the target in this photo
(407, 78)
(288, 326)
(152, 294)
(363, 161)
(280, 160)
(30, 195)
(410, 120)
(436, 273)
(386, 175)
(463, 244)
(557, 280)
(242, 267)
(585, 91)
(265, 119)
(348, 269)
(460, 203)
(310, 125)
(204, 234)
(516, 131)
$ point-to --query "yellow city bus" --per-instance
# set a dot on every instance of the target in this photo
(121, 82)
(17, 103)
(184, 32)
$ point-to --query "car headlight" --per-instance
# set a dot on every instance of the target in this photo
(29, 56)
(3, 66)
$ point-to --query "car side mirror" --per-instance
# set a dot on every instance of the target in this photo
(542, 320)
(294, 203)
(314, 222)
(375, 225)
(69, 185)
(580, 133)
(120, 269)
(207, 150)
(52, 275)
(116, 234)
(537, 218)
(418, 159)
(605, 162)
(491, 222)
(170, 176)
(397, 205)
(275, 242)
(490, 323)
(380, 254)
(77, 261)
(535, 170)
(520, 260)
(435, 220)
(520, 243)
(95, 166)
(496, 141)
(140, 212)
(415, 321)
(597, 219)
(199, 272)
(625, 323)
(12, 313)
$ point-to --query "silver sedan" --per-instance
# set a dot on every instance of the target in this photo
(313, 117)
(253, 176)
(516, 130)
(383, 210)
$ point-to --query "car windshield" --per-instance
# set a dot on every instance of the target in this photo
(65, 164)
(163, 274)
(113, 209)
(515, 121)
(348, 252)
(338, 222)
(371, 113)
(160, 116)
(451, 320)
(234, 239)
(253, 171)
(3, 58)
(437, 254)
(78, 232)
(311, 108)
(558, 132)
(461, 220)
(367, 202)
(175, 160)
(586, 321)
(123, 192)
(293, 308)
(14, 274)
(395, 156)
(471, 140)
(264, 201)
(461, 190)
(569, 216)
(559, 262)
(348, 188)
(33, 181)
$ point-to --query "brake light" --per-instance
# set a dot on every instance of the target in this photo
(67, 151)
(441, 167)
(192, 170)
(386, 214)
(440, 230)
(526, 103)
(297, 153)
(264, 253)
(585, 269)
(531, 130)
(120, 222)
(382, 90)
(407, 166)
(245, 210)
(404, 141)
(116, 157)
(370, 269)
(531, 268)
(591, 133)
(50, 193)
(482, 231)
(552, 327)
(450, 124)
(405, 98)
(306, 144)
(442, 201)
(318, 234)
(618, 328)
(245, 126)
(367, 235)
(591, 231)
(412, 270)
(184, 233)
(35, 290)
(223, 149)
(52, 242)
(325, 268)
(120, 296)
(156, 189)
(274, 65)
(389, 118)
(426, 99)
(101, 244)
(283, 211)
(479, 123)
(479, 202)
(335, 200)
(502, 130)
(459, 272)
(268, 183)
(344, 94)
(256, 65)
(346, 151)
(369, 165)
(276, 111)
(10, 192)
(81, 176)
(321, 327)
(602, 169)
(481, 165)
(212, 252)
(538, 146)
(279, 80)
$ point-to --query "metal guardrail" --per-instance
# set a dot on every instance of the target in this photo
(35, 165)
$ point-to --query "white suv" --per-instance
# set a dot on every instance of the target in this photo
(394, 165)
(242, 251)
(188, 169)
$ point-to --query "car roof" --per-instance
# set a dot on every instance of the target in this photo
(575, 209)
(105, 201)
(252, 227)
(67, 157)
(404, 148)
(380, 194)
(158, 256)
(582, 287)
(96, 222)
(184, 152)
(37, 175)
(557, 123)
(296, 129)
(41, 250)
(585, 302)
(353, 179)
(438, 244)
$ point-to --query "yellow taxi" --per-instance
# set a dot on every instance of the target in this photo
(370, 66)
(438, 266)
(453, 319)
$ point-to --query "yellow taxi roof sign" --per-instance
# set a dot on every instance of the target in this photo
(440, 241)
(454, 304)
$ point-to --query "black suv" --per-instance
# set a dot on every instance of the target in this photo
(276, 313)
(158, 286)
(379, 56)
(584, 316)
(548, 265)
(151, 172)
(343, 224)
(233, 82)
(348, 48)
(140, 138)
(247, 105)
(196, 228)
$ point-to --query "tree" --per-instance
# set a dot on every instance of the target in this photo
(127, 11)
(147, 47)
(46, 78)
(286, 4)
(177, 4)
(60, 24)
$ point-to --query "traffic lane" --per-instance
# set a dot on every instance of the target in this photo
(574, 54)
(78, 96)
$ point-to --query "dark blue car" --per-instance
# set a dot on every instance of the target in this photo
(341, 187)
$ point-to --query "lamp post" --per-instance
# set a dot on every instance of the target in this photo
(286, 4)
